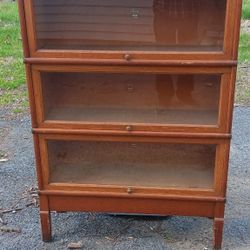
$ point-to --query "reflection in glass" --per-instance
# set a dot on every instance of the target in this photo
(132, 163)
(192, 25)
(131, 98)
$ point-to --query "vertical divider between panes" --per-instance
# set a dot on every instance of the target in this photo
(39, 100)
(224, 100)
(231, 97)
(221, 167)
(30, 22)
(227, 47)
(23, 27)
(217, 166)
(31, 91)
(43, 141)
(38, 164)
(236, 28)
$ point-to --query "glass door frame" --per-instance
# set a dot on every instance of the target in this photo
(232, 21)
(220, 170)
(224, 109)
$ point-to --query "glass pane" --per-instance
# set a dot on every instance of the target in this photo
(135, 164)
(131, 98)
(153, 25)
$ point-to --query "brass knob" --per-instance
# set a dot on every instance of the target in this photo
(130, 190)
(130, 87)
(127, 57)
(129, 128)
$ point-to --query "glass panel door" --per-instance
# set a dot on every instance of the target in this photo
(141, 164)
(132, 25)
(131, 98)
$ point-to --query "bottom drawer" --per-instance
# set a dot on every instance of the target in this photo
(133, 163)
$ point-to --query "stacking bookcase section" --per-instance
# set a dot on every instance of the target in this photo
(128, 164)
(132, 164)
(130, 25)
(133, 99)
(147, 29)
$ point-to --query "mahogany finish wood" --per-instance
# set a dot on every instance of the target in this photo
(137, 93)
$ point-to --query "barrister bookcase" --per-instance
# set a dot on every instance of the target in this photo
(131, 104)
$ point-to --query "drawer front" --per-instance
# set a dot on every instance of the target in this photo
(132, 165)
(133, 99)
(145, 29)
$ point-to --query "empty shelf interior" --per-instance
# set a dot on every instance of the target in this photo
(191, 25)
(131, 98)
(132, 164)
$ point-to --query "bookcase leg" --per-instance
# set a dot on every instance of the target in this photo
(45, 225)
(218, 232)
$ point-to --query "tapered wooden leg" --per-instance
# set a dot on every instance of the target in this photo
(45, 225)
(218, 232)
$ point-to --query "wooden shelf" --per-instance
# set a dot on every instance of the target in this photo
(81, 45)
(102, 115)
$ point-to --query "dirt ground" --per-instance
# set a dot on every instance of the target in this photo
(242, 96)
(20, 228)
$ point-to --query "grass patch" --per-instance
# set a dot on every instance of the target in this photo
(15, 101)
(18, 98)
(246, 9)
(243, 84)
(12, 72)
(244, 50)
(17, 110)
(6, 99)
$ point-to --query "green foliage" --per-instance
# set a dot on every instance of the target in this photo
(244, 51)
(246, 9)
(12, 72)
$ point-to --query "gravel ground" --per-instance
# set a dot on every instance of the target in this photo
(102, 231)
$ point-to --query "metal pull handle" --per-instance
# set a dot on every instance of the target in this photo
(129, 128)
(127, 57)
(130, 190)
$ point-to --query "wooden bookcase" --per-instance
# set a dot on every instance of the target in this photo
(131, 104)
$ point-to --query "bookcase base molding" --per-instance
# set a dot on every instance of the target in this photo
(210, 207)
